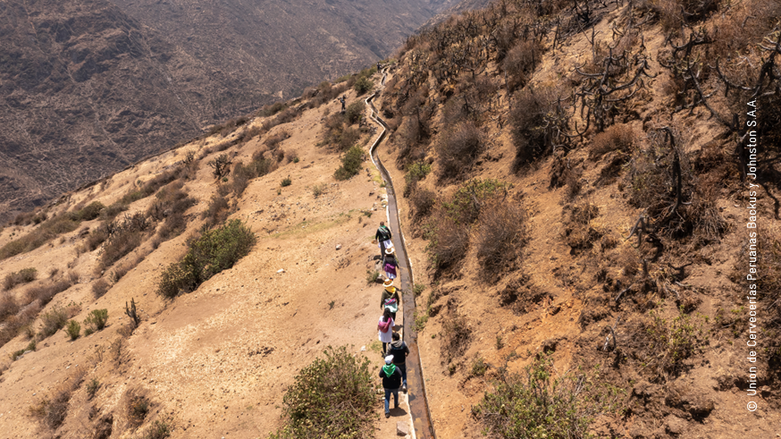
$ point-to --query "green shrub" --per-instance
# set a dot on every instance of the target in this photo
(22, 276)
(535, 405)
(351, 164)
(97, 319)
(92, 388)
(673, 341)
(214, 251)
(89, 212)
(363, 85)
(73, 329)
(354, 112)
(331, 398)
(479, 367)
(286, 182)
(53, 321)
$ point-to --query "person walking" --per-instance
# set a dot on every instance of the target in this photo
(385, 328)
(391, 381)
(343, 99)
(390, 264)
(383, 237)
(399, 350)
(390, 298)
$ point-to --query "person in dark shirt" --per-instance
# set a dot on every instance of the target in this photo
(391, 381)
(390, 298)
(399, 350)
(383, 237)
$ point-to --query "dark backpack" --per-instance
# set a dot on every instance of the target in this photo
(384, 233)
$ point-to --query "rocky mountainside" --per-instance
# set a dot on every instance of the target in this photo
(90, 86)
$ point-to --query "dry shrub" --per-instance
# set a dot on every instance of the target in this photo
(455, 336)
(23, 276)
(521, 295)
(242, 174)
(96, 237)
(45, 293)
(448, 243)
(422, 201)
(52, 321)
(619, 137)
(51, 412)
(120, 243)
(500, 238)
(8, 305)
(531, 133)
(520, 62)
(272, 142)
(578, 234)
(138, 406)
(15, 323)
(457, 150)
(100, 288)
(563, 172)
(217, 211)
(674, 13)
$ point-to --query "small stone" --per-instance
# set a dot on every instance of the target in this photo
(338, 246)
(281, 270)
(402, 429)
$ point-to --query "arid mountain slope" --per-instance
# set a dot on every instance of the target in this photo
(90, 86)
(83, 94)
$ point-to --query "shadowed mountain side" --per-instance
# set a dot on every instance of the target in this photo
(90, 86)
(83, 94)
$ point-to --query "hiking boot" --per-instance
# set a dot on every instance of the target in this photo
(387, 414)
(404, 388)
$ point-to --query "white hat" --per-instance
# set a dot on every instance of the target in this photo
(389, 359)
(389, 251)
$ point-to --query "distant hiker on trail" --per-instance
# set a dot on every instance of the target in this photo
(391, 381)
(399, 350)
(390, 298)
(379, 66)
(383, 237)
(389, 264)
(342, 100)
(385, 327)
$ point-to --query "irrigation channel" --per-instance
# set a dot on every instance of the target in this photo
(416, 387)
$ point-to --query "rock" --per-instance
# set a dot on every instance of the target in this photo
(402, 429)
(674, 425)
(338, 246)
(281, 270)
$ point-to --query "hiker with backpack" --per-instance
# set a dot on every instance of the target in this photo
(342, 99)
(383, 237)
(390, 298)
(399, 350)
(390, 264)
(391, 381)
(385, 327)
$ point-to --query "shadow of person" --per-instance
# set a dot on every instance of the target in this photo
(398, 412)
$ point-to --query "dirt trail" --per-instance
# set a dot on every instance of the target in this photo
(418, 403)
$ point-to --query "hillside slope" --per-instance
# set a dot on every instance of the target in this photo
(90, 86)
(576, 212)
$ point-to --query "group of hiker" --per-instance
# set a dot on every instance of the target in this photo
(394, 350)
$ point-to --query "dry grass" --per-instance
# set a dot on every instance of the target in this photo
(45, 293)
